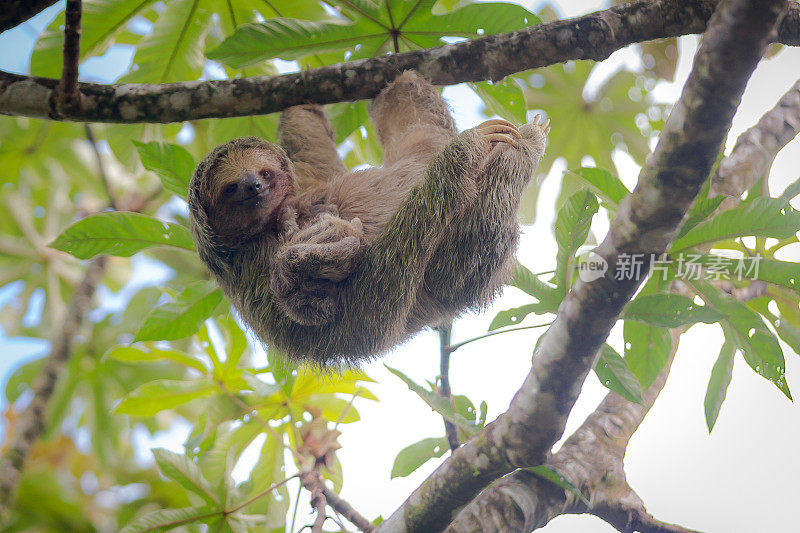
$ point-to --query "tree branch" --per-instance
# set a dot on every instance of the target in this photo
(15, 12)
(530, 501)
(68, 98)
(756, 148)
(593, 36)
(647, 220)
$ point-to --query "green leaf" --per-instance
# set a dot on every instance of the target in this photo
(791, 191)
(169, 518)
(669, 311)
(132, 354)
(603, 183)
(173, 51)
(184, 316)
(647, 350)
(504, 99)
(572, 227)
(182, 470)
(347, 117)
(121, 234)
(554, 476)
(173, 164)
(700, 211)
(289, 39)
(22, 379)
(746, 331)
(613, 372)
(267, 471)
(414, 456)
(374, 28)
(548, 296)
(514, 316)
(763, 217)
(155, 396)
(605, 115)
(718, 384)
(438, 403)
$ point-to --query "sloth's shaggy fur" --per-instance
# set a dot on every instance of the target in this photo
(331, 266)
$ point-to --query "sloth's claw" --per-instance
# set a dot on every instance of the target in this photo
(500, 137)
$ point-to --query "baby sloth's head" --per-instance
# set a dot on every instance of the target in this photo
(239, 191)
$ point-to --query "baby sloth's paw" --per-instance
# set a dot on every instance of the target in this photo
(536, 133)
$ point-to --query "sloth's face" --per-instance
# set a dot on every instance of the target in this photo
(247, 193)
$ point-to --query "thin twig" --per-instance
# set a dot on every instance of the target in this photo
(453, 347)
(101, 169)
(450, 429)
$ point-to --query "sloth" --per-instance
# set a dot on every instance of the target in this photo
(335, 267)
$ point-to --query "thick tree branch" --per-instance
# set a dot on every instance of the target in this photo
(32, 421)
(592, 460)
(593, 36)
(647, 220)
(756, 148)
(530, 502)
(15, 12)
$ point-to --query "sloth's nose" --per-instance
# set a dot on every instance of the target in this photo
(251, 183)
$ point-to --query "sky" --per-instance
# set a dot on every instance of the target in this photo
(740, 478)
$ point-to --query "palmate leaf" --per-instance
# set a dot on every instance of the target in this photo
(121, 234)
(415, 455)
(173, 164)
(762, 217)
(606, 116)
(372, 28)
(184, 316)
(571, 229)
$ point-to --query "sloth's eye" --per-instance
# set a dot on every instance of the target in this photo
(230, 189)
(264, 173)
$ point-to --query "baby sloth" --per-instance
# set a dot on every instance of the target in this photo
(331, 266)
